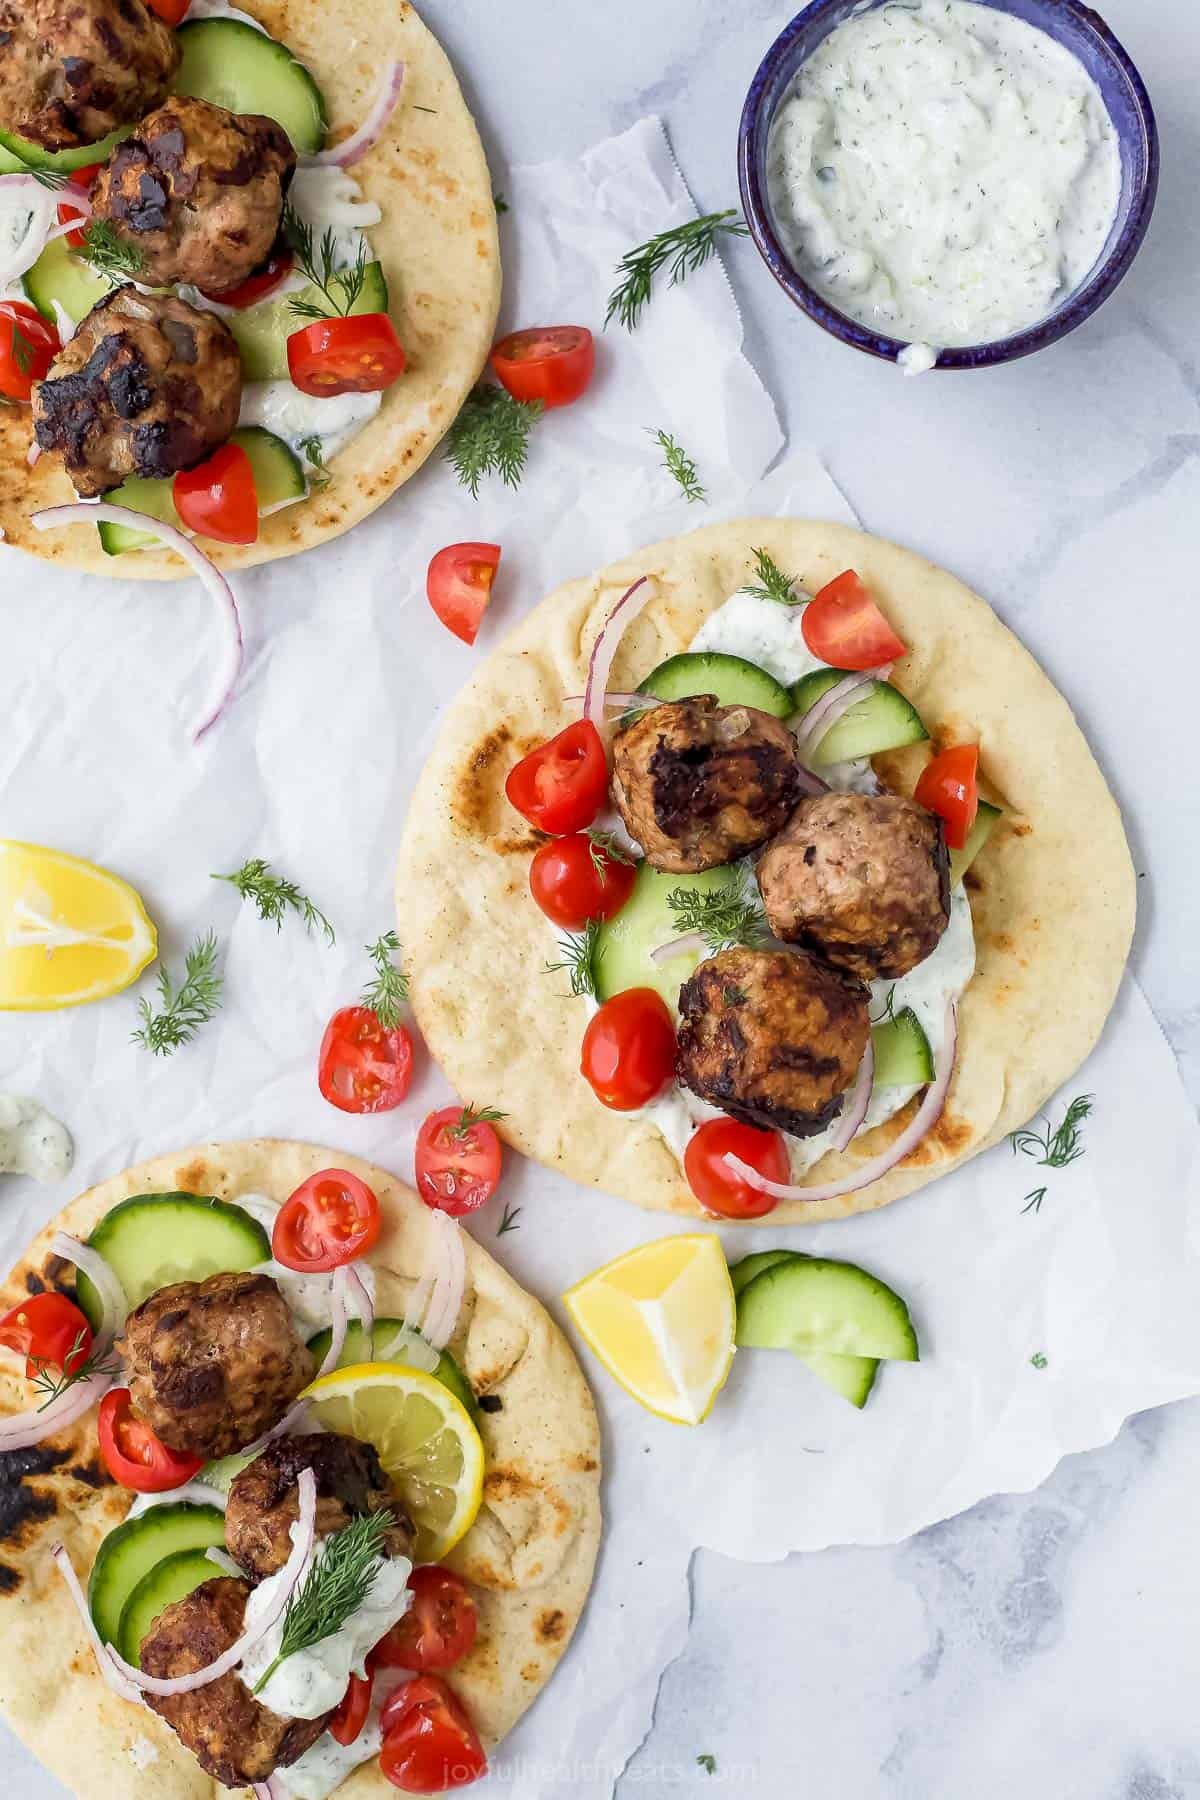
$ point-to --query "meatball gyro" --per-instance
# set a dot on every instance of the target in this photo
(264, 1500)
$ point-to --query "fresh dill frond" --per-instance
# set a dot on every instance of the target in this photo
(1055, 1149)
(707, 1762)
(53, 1381)
(470, 1116)
(500, 203)
(681, 250)
(582, 954)
(721, 918)
(680, 466)
(772, 583)
(1040, 1360)
(509, 1220)
(606, 849)
(889, 1008)
(1033, 1202)
(341, 285)
(387, 991)
(491, 437)
(314, 455)
(186, 1007)
(274, 896)
(108, 253)
(336, 1585)
(53, 179)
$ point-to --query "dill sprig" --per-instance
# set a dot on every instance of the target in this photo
(341, 285)
(314, 455)
(501, 204)
(387, 991)
(721, 917)
(186, 1007)
(53, 179)
(680, 466)
(336, 1585)
(52, 1380)
(889, 1009)
(1060, 1147)
(509, 1220)
(581, 958)
(772, 583)
(470, 1116)
(606, 849)
(274, 896)
(491, 437)
(683, 249)
(108, 253)
(1033, 1201)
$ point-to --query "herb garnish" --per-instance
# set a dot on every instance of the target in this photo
(273, 895)
(685, 248)
(49, 178)
(321, 267)
(52, 1381)
(1033, 1202)
(772, 583)
(334, 1588)
(721, 918)
(889, 1008)
(582, 954)
(186, 1007)
(733, 995)
(500, 203)
(387, 991)
(680, 466)
(1058, 1148)
(314, 455)
(470, 1116)
(109, 254)
(1040, 1360)
(707, 1762)
(491, 437)
(509, 1221)
(605, 847)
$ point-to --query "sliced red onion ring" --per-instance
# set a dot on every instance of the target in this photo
(124, 1689)
(337, 1323)
(292, 1420)
(854, 1106)
(359, 1298)
(209, 574)
(352, 149)
(33, 455)
(21, 1431)
(271, 1789)
(618, 702)
(607, 643)
(680, 946)
(824, 713)
(223, 1561)
(42, 214)
(810, 783)
(304, 1534)
(105, 1280)
(450, 1281)
(923, 1120)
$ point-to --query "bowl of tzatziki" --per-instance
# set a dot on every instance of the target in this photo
(948, 183)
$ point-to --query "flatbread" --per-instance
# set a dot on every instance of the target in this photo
(1052, 894)
(530, 1552)
(440, 252)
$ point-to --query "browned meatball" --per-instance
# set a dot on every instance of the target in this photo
(234, 1739)
(71, 71)
(699, 784)
(862, 879)
(213, 1364)
(264, 1503)
(772, 1037)
(147, 386)
(198, 191)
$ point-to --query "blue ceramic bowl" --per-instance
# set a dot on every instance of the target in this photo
(1072, 24)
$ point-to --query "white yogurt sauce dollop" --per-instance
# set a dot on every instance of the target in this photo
(944, 173)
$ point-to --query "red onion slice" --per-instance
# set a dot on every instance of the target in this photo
(21, 1431)
(105, 1280)
(450, 1277)
(618, 702)
(212, 578)
(418, 1300)
(337, 1323)
(923, 1120)
(42, 205)
(33, 455)
(607, 643)
(359, 1298)
(124, 1689)
(824, 713)
(222, 1560)
(680, 946)
(352, 149)
(854, 1106)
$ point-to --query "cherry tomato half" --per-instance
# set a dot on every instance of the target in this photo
(438, 1629)
(361, 355)
(350, 1717)
(629, 1049)
(550, 363)
(264, 281)
(81, 180)
(949, 787)
(218, 498)
(364, 1067)
(457, 1160)
(134, 1455)
(715, 1184)
(561, 786)
(331, 1218)
(28, 345)
(173, 11)
(49, 1331)
(459, 586)
(574, 879)
(844, 627)
(429, 1742)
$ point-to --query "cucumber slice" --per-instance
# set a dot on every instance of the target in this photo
(223, 1473)
(153, 497)
(809, 1304)
(742, 1273)
(32, 156)
(902, 1054)
(10, 163)
(414, 1350)
(133, 1549)
(852, 1377)
(154, 1240)
(174, 1578)
(59, 275)
(262, 331)
(882, 720)
(234, 66)
(278, 471)
(977, 837)
(644, 922)
(733, 680)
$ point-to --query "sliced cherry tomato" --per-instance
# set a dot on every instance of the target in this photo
(134, 1455)
(629, 1049)
(350, 1717)
(438, 1629)
(331, 1218)
(49, 1331)
(715, 1184)
(28, 345)
(459, 585)
(173, 11)
(949, 787)
(264, 281)
(561, 786)
(429, 1742)
(574, 879)
(361, 355)
(457, 1160)
(81, 180)
(550, 363)
(364, 1067)
(218, 499)
(844, 627)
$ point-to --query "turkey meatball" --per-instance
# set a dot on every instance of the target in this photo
(772, 1037)
(698, 784)
(862, 879)
(264, 1501)
(72, 71)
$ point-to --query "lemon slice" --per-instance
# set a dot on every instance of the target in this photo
(69, 932)
(661, 1319)
(426, 1442)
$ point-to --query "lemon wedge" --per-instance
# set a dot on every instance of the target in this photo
(661, 1319)
(429, 1448)
(69, 931)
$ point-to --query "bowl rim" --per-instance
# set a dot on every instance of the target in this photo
(1077, 308)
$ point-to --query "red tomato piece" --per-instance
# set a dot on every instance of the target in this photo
(949, 787)
(438, 1629)
(350, 1717)
(364, 1067)
(715, 1184)
(629, 1049)
(550, 363)
(331, 1219)
(561, 786)
(429, 1742)
(81, 180)
(574, 879)
(49, 1331)
(459, 586)
(134, 1455)
(458, 1158)
(173, 11)
(218, 499)
(361, 355)
(844, 627)
(28, 345)
(264, 281)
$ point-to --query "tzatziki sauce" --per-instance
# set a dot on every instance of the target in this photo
(944, 173)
